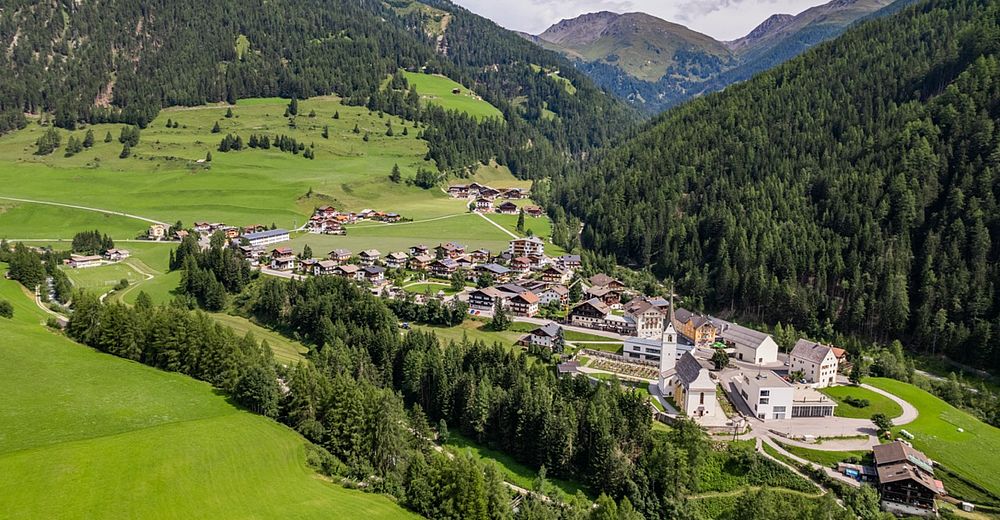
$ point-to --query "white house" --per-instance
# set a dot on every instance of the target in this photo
(263, 239)
(751, 346)
(549, 335)
(81, 261)
(817, 362)
(767, 394)
(157, 232)
(647, 317)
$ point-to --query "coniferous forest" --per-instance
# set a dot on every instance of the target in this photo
(854, 188)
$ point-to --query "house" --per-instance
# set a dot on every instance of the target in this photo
(307, 265)
(341, 256)
(116, 255)
(231, 232)
(484, 205)
(524, 304)
(449, 250)
(203, 228)
(571, 262)
(82, 261)
(326, 212)
(251, 254)
(513, 193)
(538, 261)
(350, 271)
(484, 299)
(420, 262)
(180, 234)
(549, 335)
(283, 259)
(751, 346)
(554, 293)
(554, 274)
(906, 480)
(603, 280)
(521, 264)
(419, 249)
(816, 361)
(497, 271)
(611, 297)
(459, 191)
(369, 256)
(157, 232)
(527, 247)
(696, 327)
(325, 268)
(391, 218)
(533, 211)
(396, 260)
(444, 268)
(511, 289)
(507, 208)
(374, 274)
(649, 320)
(488, 193)
(591, 314)
(465, 262)
(263, 239)
(481, 256)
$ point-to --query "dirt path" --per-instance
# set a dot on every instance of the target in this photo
(498, 226)
(85, 208)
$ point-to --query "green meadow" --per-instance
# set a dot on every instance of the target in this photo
(440, 91)
(88, 435)
(969, 453)
(877, 403)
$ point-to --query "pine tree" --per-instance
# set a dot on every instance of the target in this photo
(229, 113)
(307, 251)
(357, 129)
(396, 176)
(107, 137)
(88, 139)
(365, 138)
(336, 115)
(293, 107)
(126, 151)
(326, 132)
(216, 128)
(520, 221)
(208, 157)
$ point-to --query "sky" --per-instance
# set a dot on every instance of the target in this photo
(721, 19)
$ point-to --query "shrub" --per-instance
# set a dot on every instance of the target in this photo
(857, 402)
(6, 309)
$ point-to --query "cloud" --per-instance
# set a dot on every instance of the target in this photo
(722, 19)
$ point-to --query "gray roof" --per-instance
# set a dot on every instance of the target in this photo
(494, 268)
(265, 234)
(692, 374)
(810, 351)
(550, 329)
(744, 336)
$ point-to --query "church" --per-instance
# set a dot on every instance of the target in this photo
(684, 379)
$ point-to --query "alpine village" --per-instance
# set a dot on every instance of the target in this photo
(422, 259)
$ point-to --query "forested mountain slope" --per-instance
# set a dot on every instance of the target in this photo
(122, 61)
(852, 188)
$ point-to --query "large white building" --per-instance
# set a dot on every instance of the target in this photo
(263, 239)
(648, 349)
(532, 246)
(750, 345)
(817, 362)
(770, 397)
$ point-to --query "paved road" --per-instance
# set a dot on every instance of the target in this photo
(910, 412)
(281, 274)
(603, 334)
(86, 208)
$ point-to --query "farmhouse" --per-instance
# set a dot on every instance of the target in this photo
(459, 191)
(484, 205)
(350, 271)
(751, 346)
(497, 271)
(906, 480)
(553, 274)
(507, 208)
(527, 247)
(263, 239)
(816, 361)
(554, 293)
(512, 193)
(420, 262)
(444, 268)
(533, 211)
(325, 268)
(696, 327)
(419, 249)
(374, 274)
(282, 259)
(591, 314)
(81, 261)
(116, 255)
(449, 250)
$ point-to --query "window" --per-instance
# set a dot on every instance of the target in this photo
(765, 400)
(779, 409)
(765, 393)
(701, 399)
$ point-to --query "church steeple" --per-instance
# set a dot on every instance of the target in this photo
(668, 349)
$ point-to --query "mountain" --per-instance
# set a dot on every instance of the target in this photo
(852, 189)
(656, 64)
(74, 62)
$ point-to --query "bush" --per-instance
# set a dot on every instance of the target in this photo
(122, 284)
(857, 402)
(6, 309)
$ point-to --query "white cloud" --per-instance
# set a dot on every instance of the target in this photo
(722, 19)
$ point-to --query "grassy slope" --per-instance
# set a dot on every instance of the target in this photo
(285, 350)
(88, 435)
(968, 453)
(437, 90)
(27, 220)
(879, 403)
(822, 457)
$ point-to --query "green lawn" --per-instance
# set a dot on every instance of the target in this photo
(610, 346)
(437, 90)
(512, 470)
(162, 181)
(822, 457)
(88, 435)
(103, 278)
(433, 288)
(572, 335)
(878, 403)
(160, 289)
(969, 453)
(285, 350)
(474, 331)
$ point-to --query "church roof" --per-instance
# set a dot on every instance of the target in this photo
(691, 374)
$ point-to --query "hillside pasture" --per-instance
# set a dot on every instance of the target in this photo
(439, 90)
(88, 435)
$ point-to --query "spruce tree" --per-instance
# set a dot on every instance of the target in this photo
(88, 139)
(396, 176)
(216, 128)
(107, 137)
(126, 151)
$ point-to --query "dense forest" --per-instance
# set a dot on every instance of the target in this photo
(853, 187)
(87, 62)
